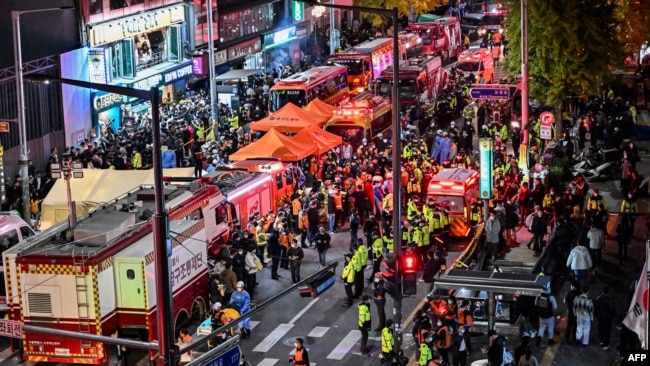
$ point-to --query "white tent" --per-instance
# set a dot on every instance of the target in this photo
(97, 187)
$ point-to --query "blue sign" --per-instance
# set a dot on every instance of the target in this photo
(229, 358)
(490, 92)
(485, 155)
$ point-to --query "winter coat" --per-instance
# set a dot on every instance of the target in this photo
(579, 258)
(492, 229)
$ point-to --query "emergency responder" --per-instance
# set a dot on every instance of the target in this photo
(389, 241)
(300, 357)
(377, 254)
(476, 214)
(426, 354)
(593, 202)
(379, 296)
(469, 113)
(360, 259)
(348, 279)
(443, 339)
(412, 208)
(387, 340)
(364, 323)
(629, 209)
(438, 307)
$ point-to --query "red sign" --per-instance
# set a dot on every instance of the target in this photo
(547, 118)
(4, 126)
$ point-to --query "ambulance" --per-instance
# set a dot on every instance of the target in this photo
(455, 190)
(477, 61)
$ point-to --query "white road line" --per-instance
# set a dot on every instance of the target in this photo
(254, 323)
(318, 332)
(346, 344)
(303, 311)
(273, 337)
(268, 362)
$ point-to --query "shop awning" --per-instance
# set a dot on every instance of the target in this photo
(275, 144)
(323, 140)
(237, 74)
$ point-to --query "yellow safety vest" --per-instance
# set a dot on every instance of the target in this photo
(425, 354)
(387, 340)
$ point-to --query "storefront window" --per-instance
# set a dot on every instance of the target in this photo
(151, 49)
(118, 4)
(243, 23)
(201, 15)
(96, 6)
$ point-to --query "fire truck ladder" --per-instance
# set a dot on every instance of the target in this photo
(83, 303)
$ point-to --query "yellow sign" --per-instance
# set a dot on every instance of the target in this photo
(2, 151)
(4, 126)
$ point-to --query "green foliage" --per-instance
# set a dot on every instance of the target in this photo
(633, 28)
(558, 171)
(403, 7)
(571, 45)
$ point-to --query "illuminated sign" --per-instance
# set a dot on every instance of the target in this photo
(297, 11)
(198, 63)
(106, 101)
(97, 65)
(179, 73)
(131, 26)
(279, 37)
(168, 77)
(485, 153)
(244, 49)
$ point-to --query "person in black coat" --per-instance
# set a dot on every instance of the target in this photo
(538, 229)
(274, 250)
(461, 345)
(117, 355)
(432, 267)
(239, 264)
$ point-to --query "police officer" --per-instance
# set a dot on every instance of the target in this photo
(364, 323)
(387, 340)
(377, 254)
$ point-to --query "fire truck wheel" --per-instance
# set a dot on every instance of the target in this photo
(198, 310)
(181, 320)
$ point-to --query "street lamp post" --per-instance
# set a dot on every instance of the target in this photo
(160, 220)
(20, 104)
(213, 83)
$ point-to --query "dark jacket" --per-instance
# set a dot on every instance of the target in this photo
(539, 225)
(431, 269)
(322, 241)
(495, 352)
(456, 340)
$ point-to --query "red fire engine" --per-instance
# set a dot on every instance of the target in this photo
(102, 276)
(420, 80)
(366, 61)
(439, 38)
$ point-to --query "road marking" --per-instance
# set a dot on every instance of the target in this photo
(318, 332)
(273, 337)
(254, 323)
(303, 311)
(346, 344)
(268, 362)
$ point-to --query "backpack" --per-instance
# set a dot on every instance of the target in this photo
(544, 306)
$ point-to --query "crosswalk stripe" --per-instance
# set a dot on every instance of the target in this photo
(346, 344)
(272, 338)
(268, 362)
(318, 332)
(303, 311)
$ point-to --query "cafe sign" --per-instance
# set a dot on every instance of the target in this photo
(133, 25)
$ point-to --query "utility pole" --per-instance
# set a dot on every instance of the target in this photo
(214, 109)
(524, 87)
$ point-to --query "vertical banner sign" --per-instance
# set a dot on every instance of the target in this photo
(485, 153)
(297, 11)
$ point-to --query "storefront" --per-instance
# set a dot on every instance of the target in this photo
(128, 48)
(282, 47)
(117, 111)
(246, 55)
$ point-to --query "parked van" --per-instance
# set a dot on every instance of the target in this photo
(477, 61)
(13, 230)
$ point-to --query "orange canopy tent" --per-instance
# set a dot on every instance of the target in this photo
(314, 136)
(289, 119)
(275, 144)
(319, 107)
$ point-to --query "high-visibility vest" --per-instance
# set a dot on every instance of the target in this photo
(378, 248)
(388, 202)
(363, 252)
(407, 235)
(425, 235)
(593, 202)
(406, 152)
(444, 219)
(476, 214)
(417, 237)
(425, 354)
(348, 273)
(443, 342)
(434, 224)
(261, 237)
(298, 356)
(389, 244)
(452, 311)
(364, 314)
(411, 210)
(548, 200)
(338, 201)
(629, 207)
(357, 261)
(412, 187)
(465, 317)
(438, 308)
(387, 340)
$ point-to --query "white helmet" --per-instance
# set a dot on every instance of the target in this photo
(216, 306)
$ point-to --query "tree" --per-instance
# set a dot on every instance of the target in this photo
(571, 45)
(634, 24)
(403, 7)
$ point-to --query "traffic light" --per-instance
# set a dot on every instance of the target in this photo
(409, 274)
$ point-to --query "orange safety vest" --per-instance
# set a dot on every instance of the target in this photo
(439, 308)
(303, 223)
(338, 201)
(440, 342)
(298, 357)
(452, 311)
(464, 317)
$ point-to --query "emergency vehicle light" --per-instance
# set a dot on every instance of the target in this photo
(447, 184)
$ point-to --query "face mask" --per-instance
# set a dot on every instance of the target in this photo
(451, 301)
(294, 245)
(439, 324)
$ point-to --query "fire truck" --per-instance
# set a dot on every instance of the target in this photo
(100, 275)
(366, 61)
(439, 38)
(420, 80)
(455, 189)
(412, 43)
(366, 116)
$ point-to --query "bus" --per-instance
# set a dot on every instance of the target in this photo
(366, 116)
(327, 83)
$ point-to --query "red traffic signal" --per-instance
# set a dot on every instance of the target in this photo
(409, 263)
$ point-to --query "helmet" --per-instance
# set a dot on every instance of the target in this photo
(217, 305)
